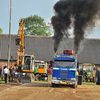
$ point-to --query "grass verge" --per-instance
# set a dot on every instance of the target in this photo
(1, 82)
(88, 83)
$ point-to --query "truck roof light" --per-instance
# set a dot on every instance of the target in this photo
(57, 52)
(68, 52)
(25, 54)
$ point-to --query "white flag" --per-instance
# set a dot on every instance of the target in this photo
(97, 23)
(48, 23)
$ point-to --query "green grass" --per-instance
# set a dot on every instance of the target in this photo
(1, 81)
(88, 83)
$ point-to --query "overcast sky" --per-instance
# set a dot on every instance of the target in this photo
(25, 8)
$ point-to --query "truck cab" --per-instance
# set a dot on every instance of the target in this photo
(64, 69)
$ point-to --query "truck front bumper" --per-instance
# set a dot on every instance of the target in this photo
(66, 82)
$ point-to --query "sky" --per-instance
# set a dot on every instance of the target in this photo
(25, 8)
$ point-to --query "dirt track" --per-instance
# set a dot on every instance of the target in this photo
(83, 92)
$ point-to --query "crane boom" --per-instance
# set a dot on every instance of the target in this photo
(20, 44)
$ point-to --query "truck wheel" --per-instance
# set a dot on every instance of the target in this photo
(52, 84)
(55, 85)
(94, 79)
(38, 77)
(79, 80)
(97, 77)
(75, 85)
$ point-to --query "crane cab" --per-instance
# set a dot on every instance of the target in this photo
(28, 65)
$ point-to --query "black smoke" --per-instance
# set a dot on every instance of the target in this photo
(83, 11)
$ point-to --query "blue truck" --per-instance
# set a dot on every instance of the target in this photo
(64, 69)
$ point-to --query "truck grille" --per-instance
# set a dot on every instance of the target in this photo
(64, 74)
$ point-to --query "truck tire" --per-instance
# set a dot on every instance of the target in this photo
(97, 77)
(94, 79)
(80, 77)
(79, 80)
(38, 77)
(75, 85)
(56, 85)
(53, 85)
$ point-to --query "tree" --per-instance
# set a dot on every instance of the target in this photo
(35, 25)
(1, 30)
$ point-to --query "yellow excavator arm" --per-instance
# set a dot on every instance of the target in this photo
(20, 44)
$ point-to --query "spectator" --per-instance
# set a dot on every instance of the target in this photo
(5, 74)
(0, 72)
(11, 73)
(4, 68)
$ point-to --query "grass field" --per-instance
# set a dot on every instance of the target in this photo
(2, 81)
(88, 83)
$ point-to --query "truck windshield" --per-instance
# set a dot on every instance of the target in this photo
(87, 67)
(37, 63)
(63, 63)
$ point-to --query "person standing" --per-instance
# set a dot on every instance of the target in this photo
(5, 74)
(0, 72)
(4, 66)
(11, 73)
(3, 69)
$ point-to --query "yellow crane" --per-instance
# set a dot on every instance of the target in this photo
(20, 44)
(26, 63)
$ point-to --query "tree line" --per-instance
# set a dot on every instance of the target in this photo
(35, 25)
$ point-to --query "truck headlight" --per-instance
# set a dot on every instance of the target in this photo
(54, 78)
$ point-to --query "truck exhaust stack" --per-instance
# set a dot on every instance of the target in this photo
(76, 57)
(54, 54)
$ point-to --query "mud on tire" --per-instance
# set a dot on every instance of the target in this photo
(38, 77)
